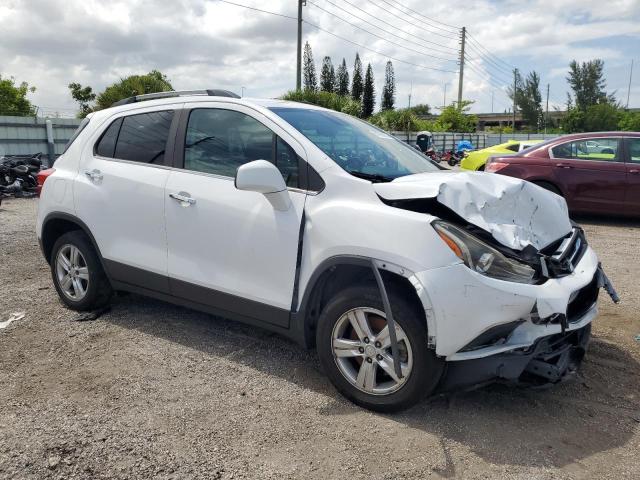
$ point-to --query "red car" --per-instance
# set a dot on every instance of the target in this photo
(594, 172)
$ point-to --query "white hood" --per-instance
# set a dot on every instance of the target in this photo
(516, 213)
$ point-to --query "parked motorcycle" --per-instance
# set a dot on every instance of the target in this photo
(18, 174)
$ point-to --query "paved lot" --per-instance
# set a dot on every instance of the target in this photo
(151, 390)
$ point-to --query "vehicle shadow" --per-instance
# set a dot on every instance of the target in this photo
(596, 412)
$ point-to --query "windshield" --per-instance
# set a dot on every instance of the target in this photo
(357, 146)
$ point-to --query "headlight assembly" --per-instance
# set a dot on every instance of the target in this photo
(482, 258)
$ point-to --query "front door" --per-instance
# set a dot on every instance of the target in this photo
(227, 248)
(119, 194)
(593, 180)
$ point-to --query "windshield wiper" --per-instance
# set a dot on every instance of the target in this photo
(374, 177)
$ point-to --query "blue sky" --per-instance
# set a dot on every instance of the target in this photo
(208, 43)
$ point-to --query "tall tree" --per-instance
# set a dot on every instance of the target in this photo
(356, 83)
(327, 76)
(84, 96)
(368, 94)
(152, 82)
(588, 84)
(389, 89)
(309, 70)
(343, 79)
(13, 98)
(528, 98)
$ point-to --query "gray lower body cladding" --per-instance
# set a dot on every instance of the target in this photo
(550, 360)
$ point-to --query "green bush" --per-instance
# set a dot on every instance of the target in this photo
(630, 122)
(332, 101)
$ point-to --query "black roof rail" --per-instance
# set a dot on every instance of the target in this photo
(180, 93)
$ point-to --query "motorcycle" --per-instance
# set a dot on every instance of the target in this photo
(18, 174)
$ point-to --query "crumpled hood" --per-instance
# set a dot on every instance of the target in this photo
(515, 212)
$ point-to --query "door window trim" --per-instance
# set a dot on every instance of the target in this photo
(619, 158)
(167, 158)
(309, 181)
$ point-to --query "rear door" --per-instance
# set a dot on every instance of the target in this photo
(632, 148)
(592, 180)
(227, 248)
(119, 194)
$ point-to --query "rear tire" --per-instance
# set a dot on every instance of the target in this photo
(78, 274)
(383, 393)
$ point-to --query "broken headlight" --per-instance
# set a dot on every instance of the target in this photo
(482, 258)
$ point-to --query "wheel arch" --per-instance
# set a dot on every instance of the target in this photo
(338, 272)
(57, 224)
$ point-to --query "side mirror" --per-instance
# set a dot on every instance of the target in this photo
(263, 177)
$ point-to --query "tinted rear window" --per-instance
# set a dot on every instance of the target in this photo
(143, 137)
(107, 143)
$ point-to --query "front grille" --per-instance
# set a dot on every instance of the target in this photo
(567, 255)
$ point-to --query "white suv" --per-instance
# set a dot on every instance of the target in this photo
(408, 279)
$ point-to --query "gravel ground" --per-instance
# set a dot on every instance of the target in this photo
(151, 390)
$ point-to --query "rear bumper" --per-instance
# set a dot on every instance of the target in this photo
(549, 360)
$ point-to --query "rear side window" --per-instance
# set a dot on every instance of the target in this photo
(107, 144)
(513, 147)
(143, 137)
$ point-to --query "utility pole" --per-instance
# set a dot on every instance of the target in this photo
(491, 101)
(444, 100)
(463, 35)
(299, 56)
(546, 120)
(629, 89)
(515, 94)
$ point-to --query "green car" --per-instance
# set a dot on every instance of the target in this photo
(477, 159)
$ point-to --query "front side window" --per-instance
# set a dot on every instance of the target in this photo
(143, 137)
(602, 149)
(358, 147)
(219, 141)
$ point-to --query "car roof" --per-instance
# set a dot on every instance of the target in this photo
(251, 102)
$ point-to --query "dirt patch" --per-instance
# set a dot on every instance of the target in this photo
(150, 390)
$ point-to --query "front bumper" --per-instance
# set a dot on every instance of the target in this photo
(549, 360)
(461, 305)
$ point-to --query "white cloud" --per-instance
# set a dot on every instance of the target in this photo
(207, 43)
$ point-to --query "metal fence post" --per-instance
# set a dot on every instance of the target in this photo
(51, 153)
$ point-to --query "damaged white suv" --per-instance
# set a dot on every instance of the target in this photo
(408, 279)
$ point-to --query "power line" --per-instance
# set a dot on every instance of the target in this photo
(380, 37)
(376, 52)
(429, 19)
(492, 74)
(489, 60)
(390, 24)
(498, 59)
(450, 35)
(258, 9)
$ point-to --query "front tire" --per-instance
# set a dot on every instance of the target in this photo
(354, 349)
(78, 274)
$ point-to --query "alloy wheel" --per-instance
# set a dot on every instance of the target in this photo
(72, 272)
(362, 351)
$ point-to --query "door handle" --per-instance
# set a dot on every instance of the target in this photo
(94, 174)
(634, 170)
(184, 198)
(563, 165)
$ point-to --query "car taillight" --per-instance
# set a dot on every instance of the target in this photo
(495, 166)
(42, 177)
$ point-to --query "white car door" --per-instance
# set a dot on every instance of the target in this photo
(230, 249)
(119, 194)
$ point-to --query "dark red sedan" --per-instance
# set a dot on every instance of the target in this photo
(594, 172)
